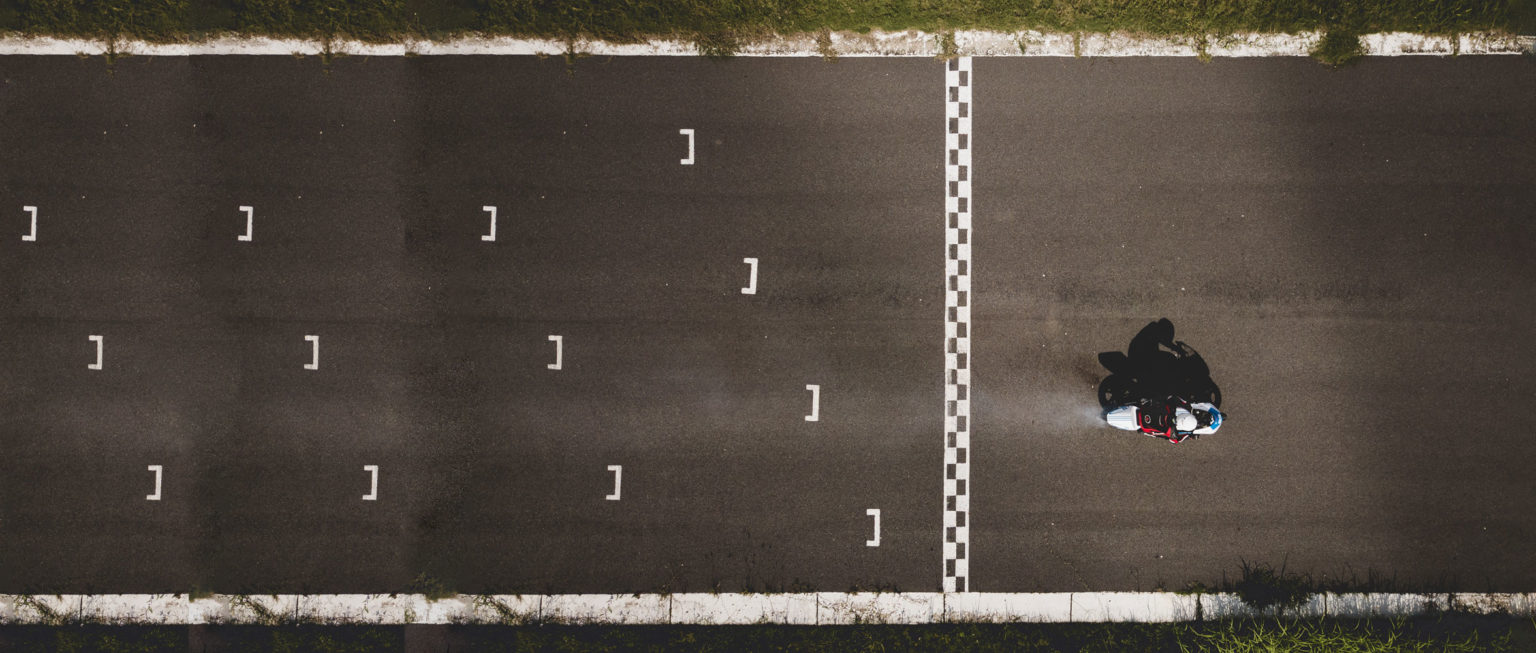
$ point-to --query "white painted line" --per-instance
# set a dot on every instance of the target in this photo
(815, 403)
(96, 365)
(559, 348)
(689, 133)
(751, 288)
(250, 213)
(373, 487)
(314, 353)
(30, 237)
(158, 470)
(491, 210)
(618, 479)
(874, 512)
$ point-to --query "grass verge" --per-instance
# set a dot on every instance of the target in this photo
(720, 27)
(1445, 633)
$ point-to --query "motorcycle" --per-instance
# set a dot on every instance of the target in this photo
(1172, 419)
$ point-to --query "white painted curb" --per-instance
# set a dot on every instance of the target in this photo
(798, 609)
(840, 44)
(839, 608)
(819, 608)
(1155, 607)
(628, 609)
(999, 608)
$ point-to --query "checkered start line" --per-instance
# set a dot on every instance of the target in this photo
(957, 322)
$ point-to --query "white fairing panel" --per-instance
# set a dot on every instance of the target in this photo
(1123, 417)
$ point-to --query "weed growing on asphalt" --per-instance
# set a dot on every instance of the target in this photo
(948, 49)
(432, 588)
(1264, 588)
(505, 615)
(45, 613)
(1338, 47)
(824, 46)
(262, 614)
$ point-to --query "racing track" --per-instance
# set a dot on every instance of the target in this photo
(1348, 249)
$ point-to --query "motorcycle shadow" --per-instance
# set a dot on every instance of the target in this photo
(1156, 366)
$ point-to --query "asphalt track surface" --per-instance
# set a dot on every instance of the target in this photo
(1350, 250)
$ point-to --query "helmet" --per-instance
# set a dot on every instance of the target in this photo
(1185, 421)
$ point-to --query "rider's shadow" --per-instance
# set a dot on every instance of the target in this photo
(1155, 367)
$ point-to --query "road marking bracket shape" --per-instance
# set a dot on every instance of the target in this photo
(96, 365)
(373, 486)
(558, 347)
(31, 237)
(492, 236)
(314, 354)
(618, 478)
(250, 213)
(689, 133)
(158, 470)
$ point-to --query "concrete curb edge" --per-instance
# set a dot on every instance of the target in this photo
(839, 44)
(806, 608)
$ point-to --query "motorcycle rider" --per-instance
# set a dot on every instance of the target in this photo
(1184, 419)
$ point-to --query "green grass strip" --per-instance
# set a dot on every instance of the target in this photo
(722, 25)
(1448, 633)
